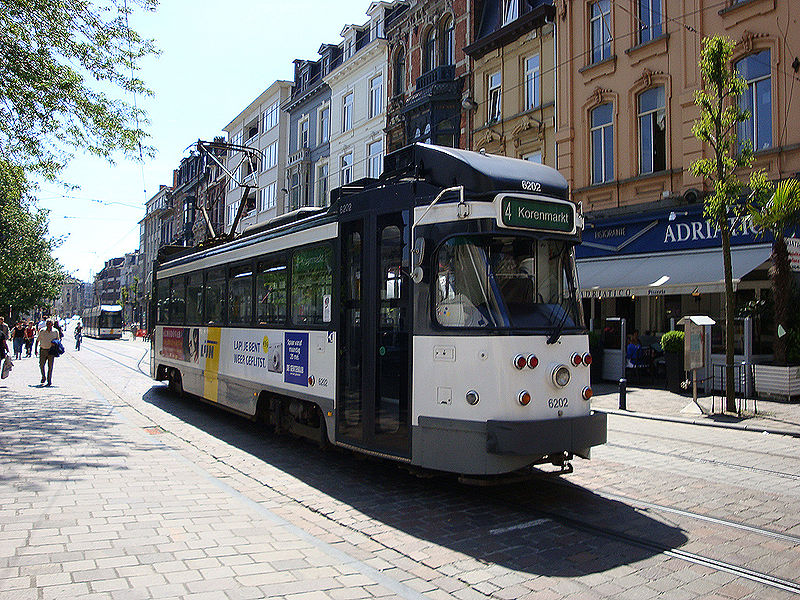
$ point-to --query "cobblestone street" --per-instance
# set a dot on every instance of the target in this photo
(114, 488)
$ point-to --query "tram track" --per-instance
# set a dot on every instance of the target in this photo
(707, 461)
(712, 445)
(530, 509)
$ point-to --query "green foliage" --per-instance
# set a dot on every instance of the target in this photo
(719, 116)
(672, 342)
(58, 61)
(774, 208)
(29, 275)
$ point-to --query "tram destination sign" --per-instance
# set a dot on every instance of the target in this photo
(538, 214)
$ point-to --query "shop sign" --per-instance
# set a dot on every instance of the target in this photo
(662, 232)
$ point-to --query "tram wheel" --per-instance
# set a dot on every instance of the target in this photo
(175, 382)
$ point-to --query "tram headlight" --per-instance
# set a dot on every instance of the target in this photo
(524, 397)
(472, 397)
(561, 375)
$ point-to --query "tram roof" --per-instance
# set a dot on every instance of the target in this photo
(478, 172)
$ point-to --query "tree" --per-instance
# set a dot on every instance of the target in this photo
(777, 210)
(58, 61)
(720, 114)
(29, 275)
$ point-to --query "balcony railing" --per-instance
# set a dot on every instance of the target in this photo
(440, 74)
(302, 155)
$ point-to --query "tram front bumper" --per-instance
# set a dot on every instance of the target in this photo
(526, 438)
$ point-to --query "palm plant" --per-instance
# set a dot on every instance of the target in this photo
(777, 210)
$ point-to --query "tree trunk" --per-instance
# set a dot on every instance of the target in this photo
(730, 390)
(781, 277)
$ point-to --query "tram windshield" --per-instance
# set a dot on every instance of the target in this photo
(110, 320)
(507, 282)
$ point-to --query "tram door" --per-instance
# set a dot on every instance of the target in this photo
(374, 345)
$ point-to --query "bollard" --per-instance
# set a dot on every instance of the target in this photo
(623, 392)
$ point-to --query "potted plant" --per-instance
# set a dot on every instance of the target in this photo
(672, 345)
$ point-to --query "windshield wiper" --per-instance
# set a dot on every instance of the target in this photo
(559, 326)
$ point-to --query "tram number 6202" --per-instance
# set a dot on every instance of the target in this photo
(558, 402)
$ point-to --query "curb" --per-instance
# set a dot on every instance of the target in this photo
(702, 422)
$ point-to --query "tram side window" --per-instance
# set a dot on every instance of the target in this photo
(194, 299)
(312, 279)
(271, 292)
(215, 297)
(240, 295)
(163, 301)
(177, 305)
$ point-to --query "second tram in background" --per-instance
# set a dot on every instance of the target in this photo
(103, 322)
(431, 317)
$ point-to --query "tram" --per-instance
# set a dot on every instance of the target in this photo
(103, 322)
(431, 317)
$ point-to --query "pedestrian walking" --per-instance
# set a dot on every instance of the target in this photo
(4, 327)
(18, 339)
(30, 337)
(44, 341)
(78, 336)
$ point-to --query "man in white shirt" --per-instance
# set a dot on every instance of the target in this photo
(44, 340)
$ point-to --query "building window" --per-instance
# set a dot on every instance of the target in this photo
(346, 168)
(400, 72)
(375, 96)
(302, 133)
(495, 81)
(322, 185)
(267, 196)
(294, 190)
(510, 11)
(270, 117)
(601, 30)
(602, 134)
(429, 57)
(270, 155)
(324, 125)
(448, 42)
(652, 131)
(375, 159)
(649, 20)
(532, 82)
(756, 99)
(535, 157)
(347, 112)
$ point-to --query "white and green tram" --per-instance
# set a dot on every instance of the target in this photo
(431, 317)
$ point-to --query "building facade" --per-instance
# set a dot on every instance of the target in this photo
(130, 279)
(210, 218)
(429, 75)
(264, 127)
(70, 299)
(150, 240)
(309, 135)
(107, 283)
(625, 93)
(357, 80)
(514, 80)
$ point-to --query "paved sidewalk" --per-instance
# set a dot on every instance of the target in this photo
(95, 502)
(772, 416)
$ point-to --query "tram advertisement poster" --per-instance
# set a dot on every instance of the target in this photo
(172, 343)
(296, 359)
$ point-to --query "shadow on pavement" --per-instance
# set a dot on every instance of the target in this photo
(526, 526)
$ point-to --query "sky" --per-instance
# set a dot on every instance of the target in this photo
(216, 58)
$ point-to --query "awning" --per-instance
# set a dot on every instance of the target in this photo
(695, 271)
